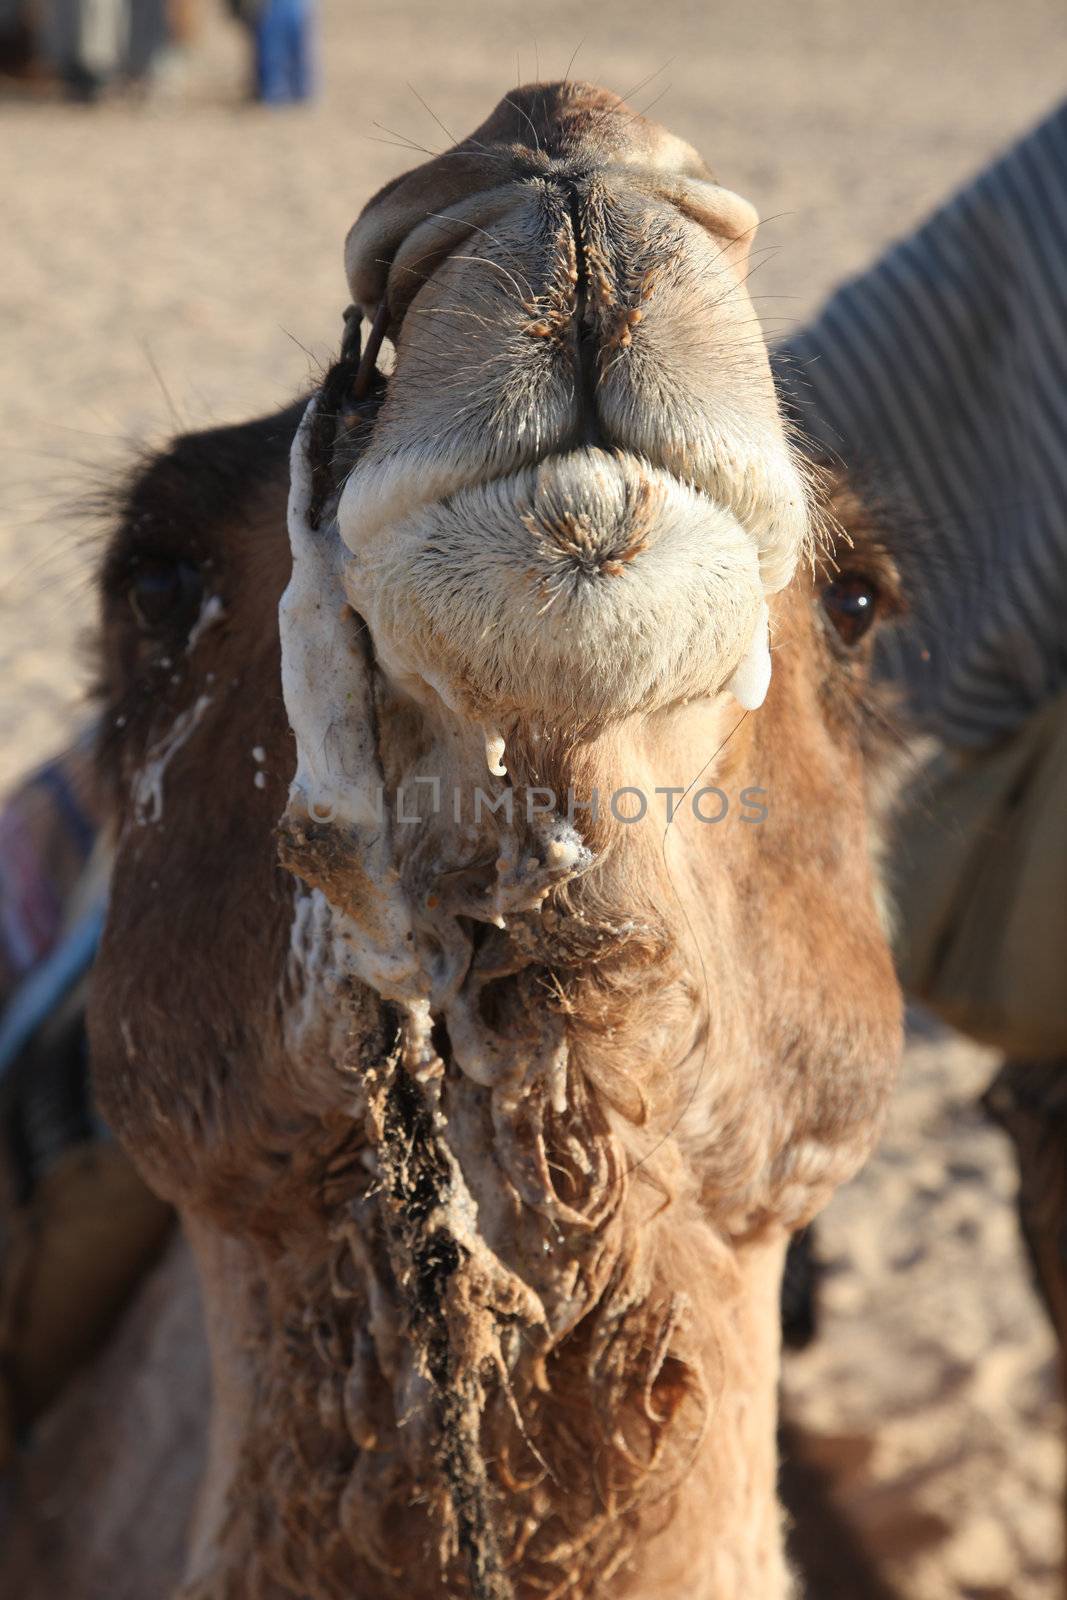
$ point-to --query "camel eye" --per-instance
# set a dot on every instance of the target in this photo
(165, 594)
(851, 602)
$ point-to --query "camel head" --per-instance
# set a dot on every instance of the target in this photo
(495, 970)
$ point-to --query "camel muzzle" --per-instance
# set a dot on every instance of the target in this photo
(577, 493)
(572, 494)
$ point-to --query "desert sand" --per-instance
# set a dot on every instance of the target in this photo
(177, 262)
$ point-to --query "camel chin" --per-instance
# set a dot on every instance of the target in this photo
(576, 592)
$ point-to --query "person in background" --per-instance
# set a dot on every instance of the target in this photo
(147, 39)
(86, 40)
(284, 56)
(97, 44)
(18, 37)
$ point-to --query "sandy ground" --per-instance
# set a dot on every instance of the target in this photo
(177, 263)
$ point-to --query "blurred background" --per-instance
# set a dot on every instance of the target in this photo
(177, 184)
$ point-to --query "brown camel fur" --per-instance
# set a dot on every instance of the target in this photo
(489, 1128)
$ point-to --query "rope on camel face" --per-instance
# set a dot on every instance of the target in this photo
(368, 361)
(342, 389)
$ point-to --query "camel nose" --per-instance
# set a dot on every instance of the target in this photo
(545, 134)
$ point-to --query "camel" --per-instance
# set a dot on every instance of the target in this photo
(496, 970)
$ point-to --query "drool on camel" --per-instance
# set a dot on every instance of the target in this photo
(489, 1135)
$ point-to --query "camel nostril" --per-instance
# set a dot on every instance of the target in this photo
(588, 334)
(589, 429)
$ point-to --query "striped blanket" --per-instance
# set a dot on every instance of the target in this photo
(944, 367)
(51, 905)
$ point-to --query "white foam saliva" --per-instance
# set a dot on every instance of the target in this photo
(148, 785)
(495, 752)
(326, 685)
(324, 682)
(380, 937)
(751, 678)
(212, 612)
